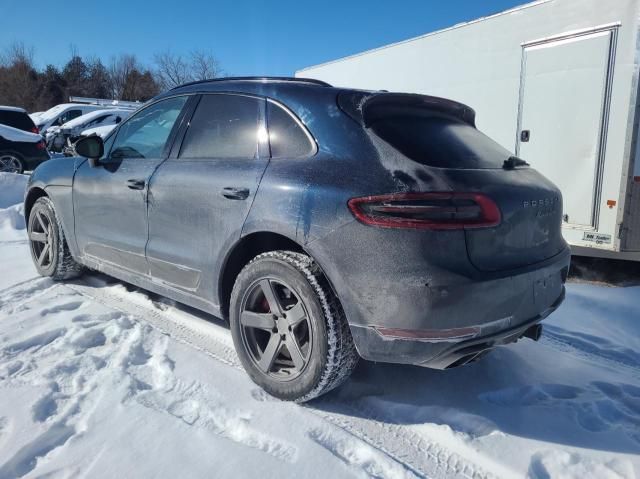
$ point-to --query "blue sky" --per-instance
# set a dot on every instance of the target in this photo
(249, 37)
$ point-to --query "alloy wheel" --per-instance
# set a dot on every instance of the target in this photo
(41, 239)
(275, 329)
(10, 164)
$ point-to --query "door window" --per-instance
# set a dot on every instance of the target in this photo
(145, 134)
(68, 116)
(223, 126)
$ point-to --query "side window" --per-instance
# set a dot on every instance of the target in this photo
(223, 126)
(96, 121)
(145, 134)
(68, 116)
(286, 136)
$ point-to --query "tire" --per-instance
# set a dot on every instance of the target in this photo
(308, 319)
(11, 162)
(48, 245)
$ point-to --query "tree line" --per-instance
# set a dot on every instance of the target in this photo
(124, 77)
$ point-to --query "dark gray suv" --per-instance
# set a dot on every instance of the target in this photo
(326, 224)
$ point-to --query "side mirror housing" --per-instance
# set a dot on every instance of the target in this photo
(90, 147)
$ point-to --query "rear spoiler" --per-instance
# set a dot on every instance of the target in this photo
(367, 107)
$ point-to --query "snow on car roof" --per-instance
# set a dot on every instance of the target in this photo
(101, 131)
(12, 108)
(55, 110)
(13, 134)
(92, 115)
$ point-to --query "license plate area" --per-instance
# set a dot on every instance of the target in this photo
(547, 289)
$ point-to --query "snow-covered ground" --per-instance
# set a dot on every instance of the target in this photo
(99, 380)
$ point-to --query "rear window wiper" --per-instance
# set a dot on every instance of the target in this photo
(514, 162)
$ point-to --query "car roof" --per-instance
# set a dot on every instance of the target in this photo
(253, 85)
(264, 79)
(79, 120)
(12, 108)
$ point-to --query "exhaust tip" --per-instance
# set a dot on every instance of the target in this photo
(534, 332)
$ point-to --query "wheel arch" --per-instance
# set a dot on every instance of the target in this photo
(32, 196)
(247, 248)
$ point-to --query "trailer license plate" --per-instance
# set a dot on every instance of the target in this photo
(598, 238)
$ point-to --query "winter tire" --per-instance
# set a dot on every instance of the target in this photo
(288, 327)
(48, 245)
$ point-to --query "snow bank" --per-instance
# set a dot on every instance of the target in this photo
(12, 188)
(14, 134)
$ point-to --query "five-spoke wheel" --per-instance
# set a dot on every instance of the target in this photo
(49, 249)
(275, 329)
(41, 239)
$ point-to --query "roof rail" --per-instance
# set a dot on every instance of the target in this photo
(104, 102)
(258, 79)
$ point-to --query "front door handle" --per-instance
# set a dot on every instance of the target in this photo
(136, 184)
(234, 193)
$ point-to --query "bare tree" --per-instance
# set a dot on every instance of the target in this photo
(18, 76)
(175, 69)
(120, 70)
(204, 65)
(16, 53)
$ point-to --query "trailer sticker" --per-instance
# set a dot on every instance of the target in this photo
(597, 238)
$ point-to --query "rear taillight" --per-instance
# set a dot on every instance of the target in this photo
(41, 145)
(433, 211)
(35, 130)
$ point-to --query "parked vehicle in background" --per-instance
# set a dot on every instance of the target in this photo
(324, 223)
(60, 114)
(101, 131)
(16, 117)
(57, 137)
(20, 150)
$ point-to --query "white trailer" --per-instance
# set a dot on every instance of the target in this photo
(556, 81)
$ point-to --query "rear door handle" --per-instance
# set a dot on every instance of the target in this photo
(233, 193)
(136, 184)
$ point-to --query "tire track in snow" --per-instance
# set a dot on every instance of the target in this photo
(555, 338)
(420, 455)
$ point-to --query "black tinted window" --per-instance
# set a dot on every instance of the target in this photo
(16, 119)
(223, 126)
(440, 141)
(286, 136)
(145, 134)
(68, 116)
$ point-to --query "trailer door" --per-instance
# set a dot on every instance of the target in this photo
(562, 117)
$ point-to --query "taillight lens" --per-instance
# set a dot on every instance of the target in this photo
(41, 145)
(433, 211)
(35, 130)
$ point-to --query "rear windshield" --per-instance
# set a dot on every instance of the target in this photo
(16, 119)
(440, 141)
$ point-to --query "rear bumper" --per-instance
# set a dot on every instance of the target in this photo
(496, 312)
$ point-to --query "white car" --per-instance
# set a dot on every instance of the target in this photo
(101, 131)
(58, 136)
(60, 114)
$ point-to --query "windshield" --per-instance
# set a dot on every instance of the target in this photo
(51, 113)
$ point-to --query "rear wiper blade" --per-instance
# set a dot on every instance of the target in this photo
(513, 162)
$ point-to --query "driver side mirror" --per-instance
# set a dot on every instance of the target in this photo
(90, 147)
